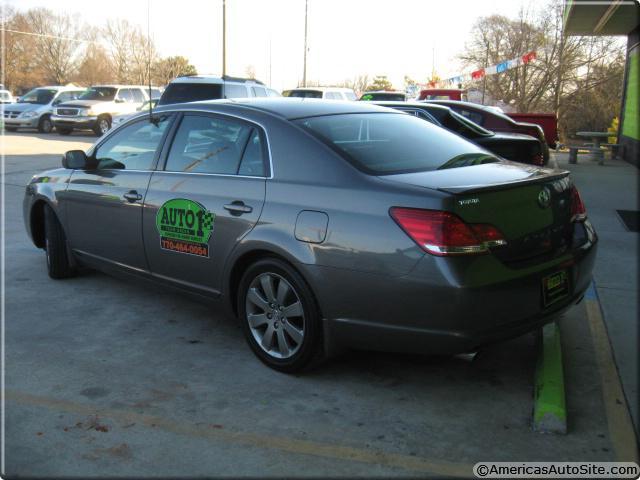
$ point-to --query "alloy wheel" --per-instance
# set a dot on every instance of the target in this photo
(275, 315)
(104, 126)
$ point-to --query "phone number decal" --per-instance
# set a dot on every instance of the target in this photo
(180, 246)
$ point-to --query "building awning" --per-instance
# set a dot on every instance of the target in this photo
(598, 17)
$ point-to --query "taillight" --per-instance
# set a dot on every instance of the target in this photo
(578, 212)
(443, 233)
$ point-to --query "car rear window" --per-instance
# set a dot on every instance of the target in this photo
(389, 143)
(190, 92)
(303, 93)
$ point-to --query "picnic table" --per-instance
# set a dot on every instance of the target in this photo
(596, 137)
(596, 140)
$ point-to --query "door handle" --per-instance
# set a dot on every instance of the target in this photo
(132, 196)
(238, 207)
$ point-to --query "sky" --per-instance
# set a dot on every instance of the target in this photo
(346, 38)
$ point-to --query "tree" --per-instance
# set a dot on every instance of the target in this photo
(94, 66)
(250, 72)
(168, 68)
(57, 46)
(18, 50)
(380, 82)
(357, 84)
(547, 83)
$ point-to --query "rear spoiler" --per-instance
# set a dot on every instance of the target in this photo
(504, 186)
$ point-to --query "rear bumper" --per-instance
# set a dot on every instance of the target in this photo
(444, 306)
(88, 123)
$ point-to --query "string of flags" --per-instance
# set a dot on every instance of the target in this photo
(494, 69)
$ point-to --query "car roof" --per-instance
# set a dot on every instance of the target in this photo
(215, 79)
(289, 108)
(392, 103)
(321, 89)
(113, 85)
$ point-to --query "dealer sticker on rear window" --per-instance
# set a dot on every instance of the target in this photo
(185, 226)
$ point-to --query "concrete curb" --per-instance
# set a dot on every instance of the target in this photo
(549, 407)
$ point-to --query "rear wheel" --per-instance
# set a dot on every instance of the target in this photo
(64, 130)
(45, 125)
(58, 261)
(279, 316)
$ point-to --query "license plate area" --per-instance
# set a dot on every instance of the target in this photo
(555, 287)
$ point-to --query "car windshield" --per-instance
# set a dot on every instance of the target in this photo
(104, 94)
(39, 96)
(390, 143)
(303, 93)
(367, 97)
(190, 92)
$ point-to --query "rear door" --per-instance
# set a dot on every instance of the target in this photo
(209, 195)
(104, 205)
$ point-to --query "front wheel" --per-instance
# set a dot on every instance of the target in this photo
(102, 127)
(45, 125)
(58, 261)
(279, 316)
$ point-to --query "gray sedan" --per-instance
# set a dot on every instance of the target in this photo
(321, 226)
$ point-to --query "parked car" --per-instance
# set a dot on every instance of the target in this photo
(6, 97)
(547, 121)
(490, 118)
(512, 146)
(321, 225)
(382, 95)
(328, 93)
(96, 107)
(145, 107)
(193, 88)
(442, 94)
(34, 109)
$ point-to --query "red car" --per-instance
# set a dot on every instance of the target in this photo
(492, 119)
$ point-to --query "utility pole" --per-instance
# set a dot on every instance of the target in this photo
(304, 70)
(484, 78)
(224, 37)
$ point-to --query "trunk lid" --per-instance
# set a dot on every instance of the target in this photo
(531, 206)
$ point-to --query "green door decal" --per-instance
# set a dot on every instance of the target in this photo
(185, 226)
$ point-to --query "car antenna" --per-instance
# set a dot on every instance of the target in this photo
(151, 119)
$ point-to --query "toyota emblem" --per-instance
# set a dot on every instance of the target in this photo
(544, 197)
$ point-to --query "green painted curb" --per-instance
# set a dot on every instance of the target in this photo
(549, 408)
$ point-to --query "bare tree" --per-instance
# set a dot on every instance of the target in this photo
(18, 51)
(166, 69)
(58, 44)
(94, 66)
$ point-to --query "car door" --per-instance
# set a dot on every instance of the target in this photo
(104, 205)
(209, 195)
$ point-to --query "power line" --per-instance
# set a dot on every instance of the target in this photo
(45, 35)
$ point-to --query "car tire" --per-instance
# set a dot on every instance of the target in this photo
(279, 316)
(64, 130)
(103, 124)
(45, 125)
(59, 264)
(11, 129)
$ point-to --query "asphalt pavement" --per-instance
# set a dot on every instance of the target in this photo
(106, 377)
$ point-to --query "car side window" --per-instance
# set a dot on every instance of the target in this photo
(133, 147)
(475, 117)
(252, 163)
(123, 95)
(65, 97)
(233, 90)
(208, 144)
(138, 96)
(259, 92)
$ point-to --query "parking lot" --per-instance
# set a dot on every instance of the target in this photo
(105, 376)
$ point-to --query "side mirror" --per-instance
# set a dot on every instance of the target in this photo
(55, 102)
(119, 100)
(76, 160)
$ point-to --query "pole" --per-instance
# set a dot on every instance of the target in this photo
(224, 37)
(304, 70)
(484, 79)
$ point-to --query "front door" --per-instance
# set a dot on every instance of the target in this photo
(104, 205)
(208, 197)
